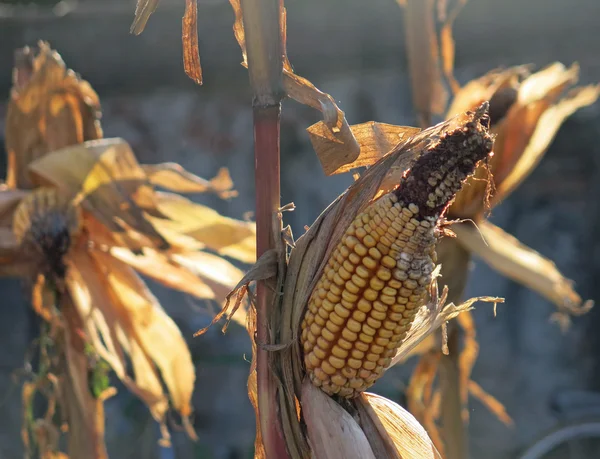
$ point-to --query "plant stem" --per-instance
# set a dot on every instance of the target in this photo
(262, 27)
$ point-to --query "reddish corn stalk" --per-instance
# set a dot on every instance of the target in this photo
(262, 28)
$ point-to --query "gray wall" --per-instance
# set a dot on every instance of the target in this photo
(355, 52)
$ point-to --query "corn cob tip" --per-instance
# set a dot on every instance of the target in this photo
(438, 174)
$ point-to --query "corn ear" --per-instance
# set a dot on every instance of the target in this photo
(378, 276)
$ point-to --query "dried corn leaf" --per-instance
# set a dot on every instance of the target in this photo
(220, 275)
(189, 37)
(175, 178)
(490, 403)
(333, 433)
(51, 109)
(420, 395)
(374, 139)
(547, 127)
(224, 235)
(143, 10)
(526, 112)
(429, 94)
(85, 413)
(107, 176)
(154, 330)
(516, 261)
(467, 359)
(303, 91)
(399, 428)
(157, 266)
(431, 317)
(259, 449)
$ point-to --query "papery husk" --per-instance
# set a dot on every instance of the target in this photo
(399, 431)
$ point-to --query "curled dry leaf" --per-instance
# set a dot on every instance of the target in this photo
(526, 112)
(508, 256)
(50, 108)
(189, 37)
(334, 124)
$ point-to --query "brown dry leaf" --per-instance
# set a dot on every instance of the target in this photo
(189, 36)
(490, 403)
(303, 91)
(374, 139)
(50, 108)
(399, 427)
(518, 262)
(259, 449)
(106, 175)
(173, 177)
(333, 433)
(447, 42)
(226, 236)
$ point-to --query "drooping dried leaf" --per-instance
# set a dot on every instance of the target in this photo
(220, 275)
(303, 91)
(189, 36)
(50, 109)
(399, 428)
(175, 178)
(490, 402)
(467, 359)
(518, 262)
(155, 331)
(333, 433)
(158, 266)
(85, 413)
(226, 236)
(419, 394)
(259, 449)
(143, 10)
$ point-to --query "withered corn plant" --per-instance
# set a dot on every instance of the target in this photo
(526, 111)
(80, 219)
(358, 291)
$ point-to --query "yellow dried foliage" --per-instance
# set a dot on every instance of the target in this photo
(85, 278)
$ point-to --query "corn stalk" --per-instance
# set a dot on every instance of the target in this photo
(261, 19)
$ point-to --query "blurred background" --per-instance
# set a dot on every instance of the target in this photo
(353, 50)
